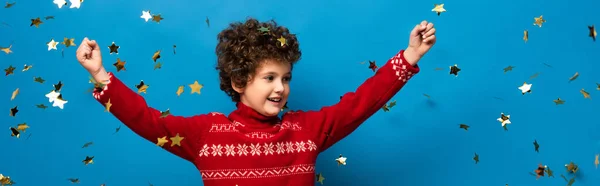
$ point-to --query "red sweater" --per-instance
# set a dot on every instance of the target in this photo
(249, 149)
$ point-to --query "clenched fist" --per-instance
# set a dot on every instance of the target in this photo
(88, 55)
(422, 38)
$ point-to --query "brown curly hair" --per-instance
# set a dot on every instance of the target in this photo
(244, 46)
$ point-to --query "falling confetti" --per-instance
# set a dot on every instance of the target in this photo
(36, 22)
(504, 119)
(120, 65)
(196, 87)
(593, 32)
(574, 77)
(141, 87)
(114, 48)
(14, 94)
(341, 160)
(464, 126)
(572, 167)
(438, 9)
(6, 49)
(559, 101)
(525, 88)
(52, 44)
(387, 107)
(539, 21)
(372, 66)
(157, 18)
(508, 68)
(454, 70)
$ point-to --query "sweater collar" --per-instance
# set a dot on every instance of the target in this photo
(249, 117)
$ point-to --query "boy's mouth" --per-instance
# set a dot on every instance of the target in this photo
(274, 99)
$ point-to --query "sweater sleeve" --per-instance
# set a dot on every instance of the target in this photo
(131, 109)
(333, 123)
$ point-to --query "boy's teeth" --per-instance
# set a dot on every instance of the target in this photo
(274, 99)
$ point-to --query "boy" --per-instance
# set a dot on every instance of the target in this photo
(252, 146)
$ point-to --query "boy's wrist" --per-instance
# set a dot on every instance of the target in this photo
(411, 56)
(100, 75)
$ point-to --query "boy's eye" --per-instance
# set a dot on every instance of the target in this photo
(270, 78)
(287, 78)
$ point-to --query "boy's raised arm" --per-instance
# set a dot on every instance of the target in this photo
(175, 134)
(333, 123)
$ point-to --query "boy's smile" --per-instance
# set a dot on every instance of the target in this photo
(268, 89)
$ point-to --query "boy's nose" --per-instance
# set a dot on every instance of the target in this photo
(279, 88)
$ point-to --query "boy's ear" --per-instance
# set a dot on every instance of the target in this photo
(237, 89)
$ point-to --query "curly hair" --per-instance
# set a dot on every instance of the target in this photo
(244, 46)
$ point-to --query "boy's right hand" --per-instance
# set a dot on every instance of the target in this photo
(88, 55)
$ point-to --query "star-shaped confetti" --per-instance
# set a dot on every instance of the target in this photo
(6, 180)
(157, 18)
(10, 70)
(6, 49)
(539, 21)
(320, 178)
(539, 172)
(476, 158)
(156, 55)
(8, 5)
(36, 22)
(68, 42)
(464, 126)
(52, 44)
(196, 87)
(176, 140)
(454, 70)
(107, 106)
(572, 167)
(75, 3)
(282, 41)
(508, 68)
(120, 65)
(341, 160)
(141, 87)
(88, 160)
(504, 119)
(114, 48)
(38, 79)
(525, 88)
(559, 101)
(438, 9)
(525, 36)
(158, 65)
(13, 111)
(146, 15)
(373, 66)
(161, 141)
(60, 3)
(26, 67)
(585, 94)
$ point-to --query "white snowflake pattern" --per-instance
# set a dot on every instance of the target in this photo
(257, 149)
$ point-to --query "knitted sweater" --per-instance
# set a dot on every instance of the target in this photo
(250, 149)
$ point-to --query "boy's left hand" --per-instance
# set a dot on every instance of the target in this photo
(422, 38)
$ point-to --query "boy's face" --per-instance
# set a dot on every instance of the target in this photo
(268, 90)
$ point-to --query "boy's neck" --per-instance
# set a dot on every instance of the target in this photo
(251, 118)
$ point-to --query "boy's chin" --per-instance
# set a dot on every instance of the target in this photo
(272, 111)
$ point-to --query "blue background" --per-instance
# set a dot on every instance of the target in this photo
(417, 143)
